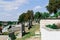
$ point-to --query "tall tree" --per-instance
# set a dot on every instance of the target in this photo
(30, 17)
(30, 14)
(22, 20)
(37, 16)
(53, 6)
(45, 15)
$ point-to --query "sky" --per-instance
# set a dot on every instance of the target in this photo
(11, 9)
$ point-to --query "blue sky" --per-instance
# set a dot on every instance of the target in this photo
(11, 9)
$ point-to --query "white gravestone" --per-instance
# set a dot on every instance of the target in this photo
(49, 34)
(16, 29)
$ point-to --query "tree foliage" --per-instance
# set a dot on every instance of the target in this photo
(45, 15)
(53, 6)
(37, 15)
(10, 23)
(26, 16)
(21, 18)
(0, 24)
(30, 14)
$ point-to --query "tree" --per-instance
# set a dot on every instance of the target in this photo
(57, 14)
(30, 14)
(22, 20)
(53, 6)
(0, 24)
(37, 16)
(10, 23)
(44, 15)
(30, 17)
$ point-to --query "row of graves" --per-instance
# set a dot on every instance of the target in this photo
(14, 31)
(17, 31)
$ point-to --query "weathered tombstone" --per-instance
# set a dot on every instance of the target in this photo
(17, 28)
(26, 24)
(30, 24)
(48, 33)
(23, 29)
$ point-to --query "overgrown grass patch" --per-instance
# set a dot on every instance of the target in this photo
(30, 33)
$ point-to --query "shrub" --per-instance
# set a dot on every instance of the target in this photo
(5, 33)
(0, 24)
(53, 26)
(12, 36)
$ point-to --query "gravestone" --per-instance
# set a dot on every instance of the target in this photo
(48, 33)
(17, 28)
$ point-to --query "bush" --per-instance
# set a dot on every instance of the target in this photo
(0, 24)
(53, 26)
(5, 33)
(12, 36)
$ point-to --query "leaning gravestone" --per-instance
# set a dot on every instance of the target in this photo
(17, 28)
(48, 33)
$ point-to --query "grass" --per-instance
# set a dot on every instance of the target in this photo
(30, 33)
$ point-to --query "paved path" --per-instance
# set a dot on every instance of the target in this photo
(3, 37)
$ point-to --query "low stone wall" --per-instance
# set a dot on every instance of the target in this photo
(47, 34)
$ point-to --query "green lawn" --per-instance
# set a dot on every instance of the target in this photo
(30, 33)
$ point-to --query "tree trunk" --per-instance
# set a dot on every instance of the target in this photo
(30, 24)
(23, 29)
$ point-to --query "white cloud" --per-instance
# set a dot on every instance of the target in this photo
(8, 17)
(12, 5)
(37, 7)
